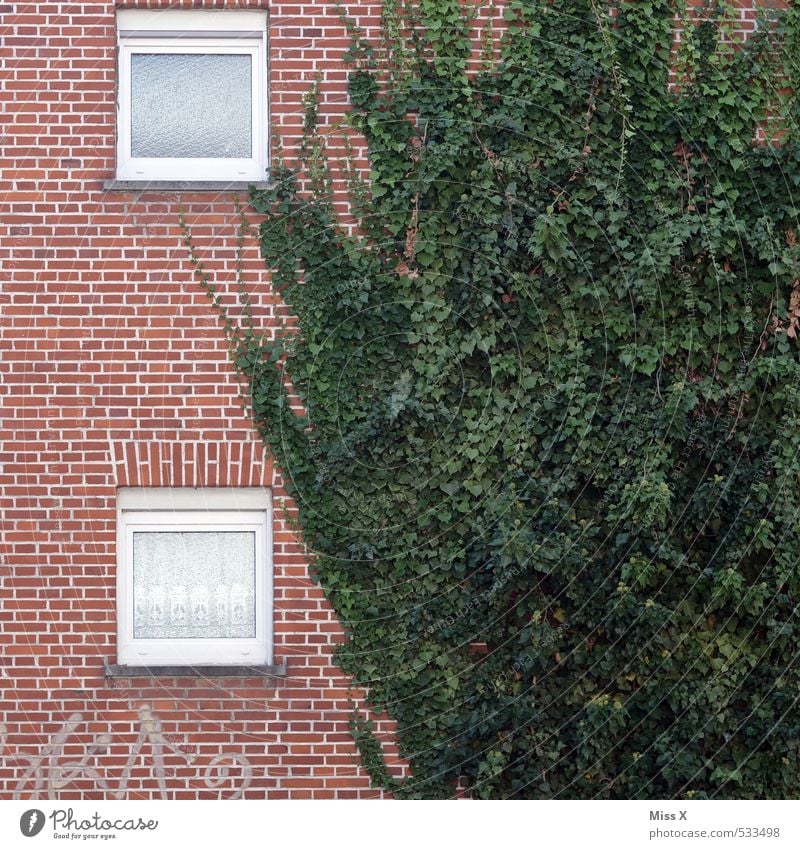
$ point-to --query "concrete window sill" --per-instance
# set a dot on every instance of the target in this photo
(113, 670)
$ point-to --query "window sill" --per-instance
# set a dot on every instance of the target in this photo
(184, 185)
(113, 670)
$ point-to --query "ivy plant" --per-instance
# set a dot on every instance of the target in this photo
(546, 447)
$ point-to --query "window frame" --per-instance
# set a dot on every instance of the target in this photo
(193, 32)
(182, 509)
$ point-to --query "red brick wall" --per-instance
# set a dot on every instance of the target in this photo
(113, 372)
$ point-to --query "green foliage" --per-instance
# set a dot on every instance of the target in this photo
(550, 387)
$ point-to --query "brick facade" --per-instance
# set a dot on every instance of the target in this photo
(113, 372)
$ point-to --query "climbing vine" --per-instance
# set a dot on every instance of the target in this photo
(547, 457)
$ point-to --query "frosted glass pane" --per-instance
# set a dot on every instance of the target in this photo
(194, 584)
(191, 105)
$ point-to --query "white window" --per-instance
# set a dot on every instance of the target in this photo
(192, 95)
(194, 577)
